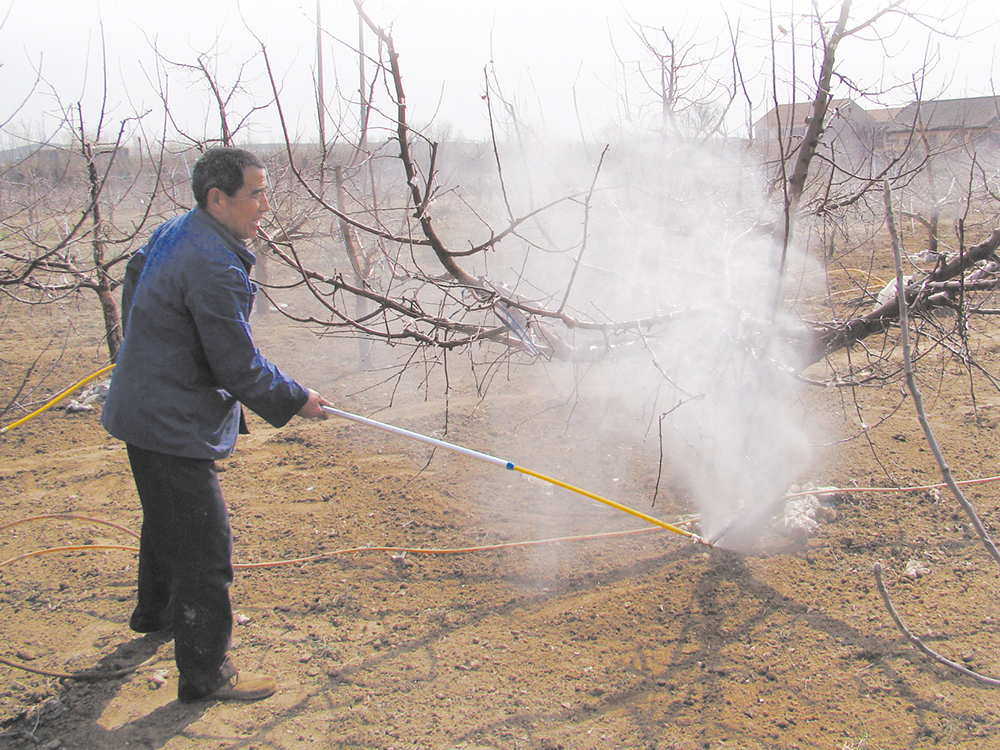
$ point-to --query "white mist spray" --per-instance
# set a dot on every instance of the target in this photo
(674, 230)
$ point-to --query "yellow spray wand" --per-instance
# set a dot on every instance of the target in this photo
(510, 465)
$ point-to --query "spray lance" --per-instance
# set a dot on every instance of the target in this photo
(509, 465)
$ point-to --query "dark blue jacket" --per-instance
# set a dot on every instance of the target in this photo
(188, 359)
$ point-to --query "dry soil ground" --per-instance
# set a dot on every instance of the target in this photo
(635, 641)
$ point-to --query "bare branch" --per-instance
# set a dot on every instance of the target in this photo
(919, 644)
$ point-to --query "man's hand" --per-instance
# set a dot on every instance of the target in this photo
(313, 408)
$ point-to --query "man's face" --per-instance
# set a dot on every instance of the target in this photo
(242, 212)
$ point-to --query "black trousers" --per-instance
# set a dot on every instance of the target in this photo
(185, 565)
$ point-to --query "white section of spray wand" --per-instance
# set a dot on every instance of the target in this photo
(417, 436)
(511, 466)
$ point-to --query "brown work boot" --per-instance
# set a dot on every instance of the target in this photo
(243, 686)
(246, 686)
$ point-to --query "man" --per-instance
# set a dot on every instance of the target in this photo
(187, 364)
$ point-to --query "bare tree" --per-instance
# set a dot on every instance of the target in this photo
(448, 308)
(679, 77)
(970, 511)
(44, 256)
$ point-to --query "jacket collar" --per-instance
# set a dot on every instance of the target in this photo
(237, 246)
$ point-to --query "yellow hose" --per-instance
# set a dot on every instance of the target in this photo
(57, 398)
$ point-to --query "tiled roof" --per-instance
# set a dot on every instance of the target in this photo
(950, 114)
(797, 114)
(945, 114)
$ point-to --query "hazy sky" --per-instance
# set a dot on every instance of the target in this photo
(563, 62)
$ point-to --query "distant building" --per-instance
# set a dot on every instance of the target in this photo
(856, 137)
(849, 132)
(946, 123)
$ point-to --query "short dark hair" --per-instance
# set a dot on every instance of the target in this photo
(221, 168)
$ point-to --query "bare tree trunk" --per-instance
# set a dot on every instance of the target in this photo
(358, 263)
(320, 98)
(260, 271)
(814, 131)
(109, 308)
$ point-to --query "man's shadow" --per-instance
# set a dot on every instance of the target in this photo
(77, 709)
